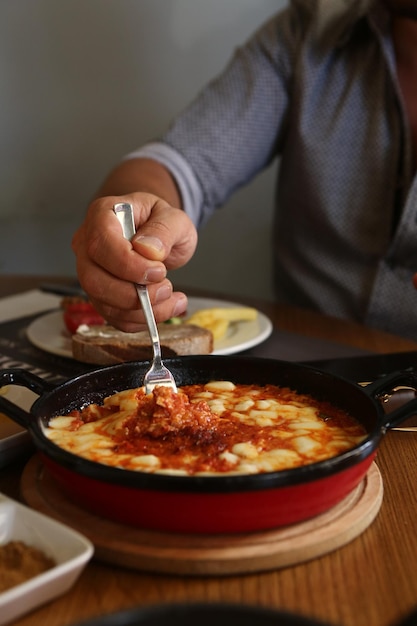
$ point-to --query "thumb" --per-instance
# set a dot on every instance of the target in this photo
(168, 235)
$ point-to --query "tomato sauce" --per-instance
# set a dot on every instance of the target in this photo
(209, 429)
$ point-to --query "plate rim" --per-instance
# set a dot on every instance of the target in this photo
(265, 329)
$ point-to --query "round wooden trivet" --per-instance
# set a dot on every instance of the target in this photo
(208, 555)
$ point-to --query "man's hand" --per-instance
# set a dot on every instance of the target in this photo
(108, 264)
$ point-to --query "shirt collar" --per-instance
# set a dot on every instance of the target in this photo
(337, 18)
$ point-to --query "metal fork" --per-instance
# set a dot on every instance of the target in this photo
(158, 374)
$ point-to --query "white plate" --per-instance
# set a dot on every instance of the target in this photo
(69, 549)
(48, 331)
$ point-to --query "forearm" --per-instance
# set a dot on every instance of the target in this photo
(144, 175)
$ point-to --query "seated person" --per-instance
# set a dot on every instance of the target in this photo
(329, 89)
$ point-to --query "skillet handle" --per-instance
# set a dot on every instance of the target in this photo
(22, 378)
(386, 386)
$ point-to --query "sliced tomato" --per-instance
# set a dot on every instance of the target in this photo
(81, 313)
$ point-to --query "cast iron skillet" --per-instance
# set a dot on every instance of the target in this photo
(207, 614)
(201, 504)
(203, 614)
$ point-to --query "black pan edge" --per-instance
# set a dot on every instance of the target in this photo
(104, 381)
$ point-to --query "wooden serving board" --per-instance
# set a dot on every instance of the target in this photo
(208, 555)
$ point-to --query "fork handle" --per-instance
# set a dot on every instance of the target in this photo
(124, 213)
(150, 318)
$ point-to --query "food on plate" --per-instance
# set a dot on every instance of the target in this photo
(105, 345)
(78, 311)
(218, 319)
(174, 320)
(20, 562)
(217, 428)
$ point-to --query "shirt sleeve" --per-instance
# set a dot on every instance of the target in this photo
(236, 125)
(188, 184)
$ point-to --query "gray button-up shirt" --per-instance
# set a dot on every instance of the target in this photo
(316, 87)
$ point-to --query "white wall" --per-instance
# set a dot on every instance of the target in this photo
(84, 82)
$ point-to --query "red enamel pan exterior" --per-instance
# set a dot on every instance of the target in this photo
(201, 504)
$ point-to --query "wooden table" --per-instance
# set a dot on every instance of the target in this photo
(371, 581)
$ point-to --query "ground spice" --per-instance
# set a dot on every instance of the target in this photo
(20, 562)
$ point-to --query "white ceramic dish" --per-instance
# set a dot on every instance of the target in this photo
(48, 331)
(70, 550)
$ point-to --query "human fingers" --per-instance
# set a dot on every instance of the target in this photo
(108, 264)
(116, 299)
(165, 238)
(166, 234)
(133, 320)
(118, 303)
(100, 241)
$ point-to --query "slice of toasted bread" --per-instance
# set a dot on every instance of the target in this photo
(105, 345)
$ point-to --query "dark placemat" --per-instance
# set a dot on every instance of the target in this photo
(16, 351)
(289, 346)
(368, 367)
(342, 360)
